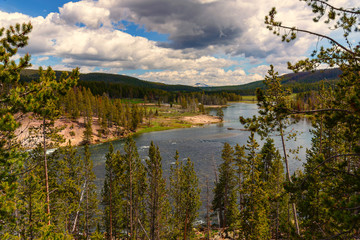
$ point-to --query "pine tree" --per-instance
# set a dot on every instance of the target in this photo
(157, 203)
(255, 222)
(185, 197)
(136, 188)
(272, 173)
(327, 192)
(135, 117)
(39, 96)
(88, 120)
(74, 195)
(220, 113)
(90, 205)
(108, 192)
(274, 104)
(239, 168)
(191, 198)
(12, 102)
(30, 200)
(175, 195)
(225, 191)
(46, 106)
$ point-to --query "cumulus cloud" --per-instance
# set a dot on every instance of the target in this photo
(88, 34)
(210, 76)
(105, 47)
(85, 12)
(233, 26)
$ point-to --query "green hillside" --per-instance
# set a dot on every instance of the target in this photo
(29, 74)
(298, 82)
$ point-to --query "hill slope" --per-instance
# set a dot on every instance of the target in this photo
(292, 80)
(29, 74)
(299, 82)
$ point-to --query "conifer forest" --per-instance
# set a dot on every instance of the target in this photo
(52, 194)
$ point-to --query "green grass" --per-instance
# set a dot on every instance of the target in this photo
(161, 122)
(156, 126)
(132, 101)
(249, 99)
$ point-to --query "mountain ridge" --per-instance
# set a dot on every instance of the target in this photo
(294, 80)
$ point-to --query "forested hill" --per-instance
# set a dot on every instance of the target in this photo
(298, 82)
(108, 78)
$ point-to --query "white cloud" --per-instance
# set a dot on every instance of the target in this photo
(83, 34)
(41, 59)
(85, 12)
(210, 76)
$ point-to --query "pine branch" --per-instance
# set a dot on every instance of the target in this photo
(21, 95)
(330, 159)
(337, 8)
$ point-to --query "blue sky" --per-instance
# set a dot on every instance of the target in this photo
(216, 42)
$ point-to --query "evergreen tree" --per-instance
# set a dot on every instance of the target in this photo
(255, 222)
(191, 198)
(220, 113)
(88, 120)
(135, 117)
(239, 169)
(225, 191)
(135, 195)
(67, 184)
(176, 197)
(46, 106)
(185, 197)
(91, 203)
(30, 200)
(12, 102)
(39, 96)
(157, 203)
(108, 193)
(274, 103)
(272, 173)
(328, 190)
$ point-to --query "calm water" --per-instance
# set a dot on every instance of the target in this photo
(203, 145)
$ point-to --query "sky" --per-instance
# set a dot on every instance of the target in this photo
(214, 42)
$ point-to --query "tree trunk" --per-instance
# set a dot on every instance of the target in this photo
(131, 200)
(289, 177)
(46, 174)
(207, 209)
(185, 227)
(110, 210)
(87, 212)
(78, 211)
(30, 216)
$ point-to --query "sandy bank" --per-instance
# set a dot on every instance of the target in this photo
(73, 129)
(201, 119)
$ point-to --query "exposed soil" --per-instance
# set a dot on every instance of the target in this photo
(73, 129)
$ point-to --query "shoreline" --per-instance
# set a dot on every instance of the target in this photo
(73, 129)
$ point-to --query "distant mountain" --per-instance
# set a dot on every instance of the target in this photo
(201, 85)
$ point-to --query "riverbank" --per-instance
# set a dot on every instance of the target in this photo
(72, 130)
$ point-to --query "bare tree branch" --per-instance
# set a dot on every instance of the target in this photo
(323, 110)
(319, 35)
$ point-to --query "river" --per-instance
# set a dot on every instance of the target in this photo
(203, 145)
